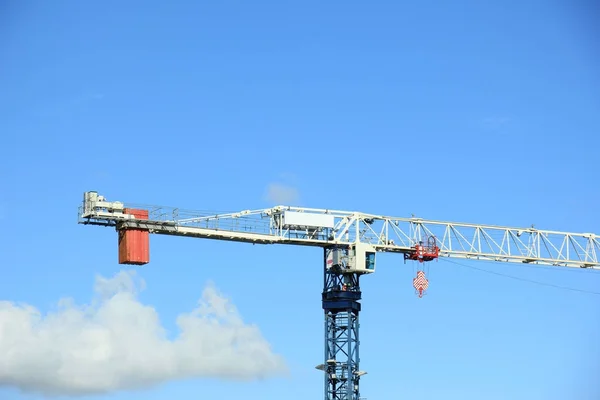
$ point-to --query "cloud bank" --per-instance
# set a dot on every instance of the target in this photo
(281, 194)
(118, 343)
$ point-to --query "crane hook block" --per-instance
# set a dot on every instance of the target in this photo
(420, 283)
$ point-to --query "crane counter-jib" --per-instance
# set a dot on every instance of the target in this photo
(174, 229)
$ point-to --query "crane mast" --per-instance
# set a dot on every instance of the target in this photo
(350, 242)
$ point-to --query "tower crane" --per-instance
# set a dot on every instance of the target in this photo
(350, 242)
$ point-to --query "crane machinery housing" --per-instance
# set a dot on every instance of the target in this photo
(350, 242)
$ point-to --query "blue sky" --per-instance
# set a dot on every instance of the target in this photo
(474, 112)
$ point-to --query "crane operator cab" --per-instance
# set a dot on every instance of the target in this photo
(359, 258)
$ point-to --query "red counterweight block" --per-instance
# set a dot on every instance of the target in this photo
(134, 244)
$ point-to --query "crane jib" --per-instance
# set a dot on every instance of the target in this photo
(417, 239)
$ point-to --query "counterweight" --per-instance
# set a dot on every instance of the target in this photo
(350, 241)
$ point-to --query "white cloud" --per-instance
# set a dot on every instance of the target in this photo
(281, 194)
(118, 343)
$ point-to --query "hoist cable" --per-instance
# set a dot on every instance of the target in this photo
(523, 279)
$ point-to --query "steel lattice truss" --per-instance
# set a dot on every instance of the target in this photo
(341, 344)
(389, 234)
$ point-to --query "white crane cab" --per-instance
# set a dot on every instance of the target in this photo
(359, 258)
